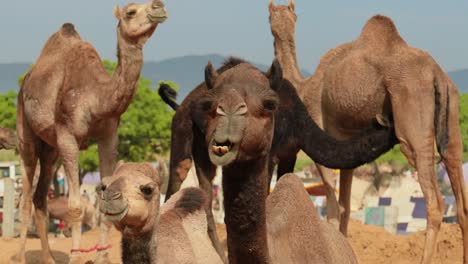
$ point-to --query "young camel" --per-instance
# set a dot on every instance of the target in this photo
(69, 98)
(295, 232)
(292, 124)
(223, 114)
(174, 233)
(401, 80)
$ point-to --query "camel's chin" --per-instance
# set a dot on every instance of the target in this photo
(224, 159)
(114, 215)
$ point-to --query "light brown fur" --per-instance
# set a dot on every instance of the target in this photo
(69, 98)
(295, 232)
(379, 74)
(174, 233)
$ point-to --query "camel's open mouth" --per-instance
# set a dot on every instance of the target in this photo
(221, 148)
(222, 153)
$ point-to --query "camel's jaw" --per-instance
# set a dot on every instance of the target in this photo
(114, 210)
(222, 154)
(157, 14)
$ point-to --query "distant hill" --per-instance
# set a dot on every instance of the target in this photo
(186, 71)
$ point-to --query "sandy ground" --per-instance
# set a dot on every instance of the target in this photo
(371, 244)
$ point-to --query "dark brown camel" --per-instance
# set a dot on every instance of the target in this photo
(191, 132)
(236, 98)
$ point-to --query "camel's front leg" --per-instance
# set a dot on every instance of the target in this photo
(206, 172)
(107, 148)
(346, 181)
(333, 208)
(69, 150)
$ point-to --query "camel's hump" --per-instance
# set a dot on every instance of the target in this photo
(68, 30)
(193, 199)
(380, 29)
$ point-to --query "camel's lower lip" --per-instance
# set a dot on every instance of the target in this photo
(222, 154)
(112, 215)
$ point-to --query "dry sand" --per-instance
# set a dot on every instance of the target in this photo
(372, 244)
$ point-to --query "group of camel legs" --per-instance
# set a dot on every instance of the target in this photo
(68, 98)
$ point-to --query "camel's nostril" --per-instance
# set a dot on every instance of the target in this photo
(101, 187)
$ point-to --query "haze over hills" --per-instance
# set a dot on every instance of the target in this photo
(186, 71)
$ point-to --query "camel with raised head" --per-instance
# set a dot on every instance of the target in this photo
(379, 73)
(174, 233)
(68, 98)
(292, 124)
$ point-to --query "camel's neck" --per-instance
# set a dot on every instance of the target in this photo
(245, 190)
(121, 89)
(330, 152)
(137, 250)
(285, 52)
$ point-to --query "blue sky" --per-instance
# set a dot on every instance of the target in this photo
(238, 27)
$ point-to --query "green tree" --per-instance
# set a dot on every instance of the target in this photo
(8, 109)
(464, 123)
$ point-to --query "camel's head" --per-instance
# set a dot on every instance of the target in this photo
(137, 22)
(282, 20)
(237, 114)
(7, 138)
(130, 198)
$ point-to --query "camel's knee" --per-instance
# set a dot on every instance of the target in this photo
(40, 203)
(74, 215)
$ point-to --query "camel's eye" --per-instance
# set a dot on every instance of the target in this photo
(146, 190)
(206, 105)
(131, 13)
(270, 105)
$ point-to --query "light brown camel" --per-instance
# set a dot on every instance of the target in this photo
(174, 233)
(7, 138)
(69, 98)
(295, 232)
(379, 73)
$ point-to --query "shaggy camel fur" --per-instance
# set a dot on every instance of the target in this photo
(214, 120)
(401, 80)
(292, 125)
(295, 232)
(7, 138)
(69, 98)
(174, 233)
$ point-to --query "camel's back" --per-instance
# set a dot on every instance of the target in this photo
(295, 232)
(182, 235)
(66, 62)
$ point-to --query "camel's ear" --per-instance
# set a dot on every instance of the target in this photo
(271, 5)
(275, 74)
(383, 120)
(292, 5)
(117, 12)
(210, 75)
